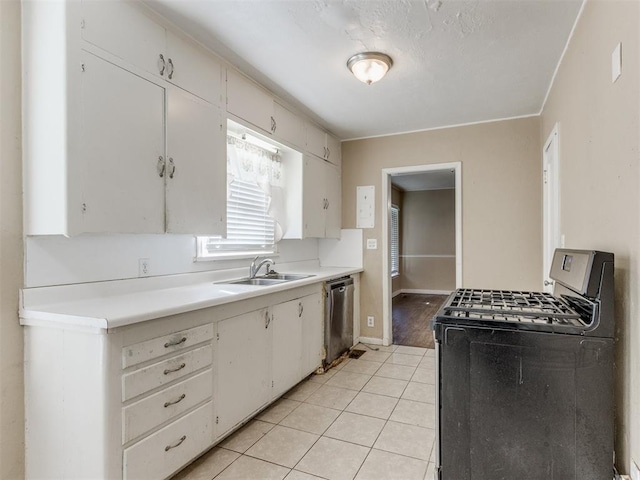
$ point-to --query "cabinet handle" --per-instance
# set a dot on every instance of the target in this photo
(176, 342)
(161, 166)
(172, 167)
(274, 125)
(169, 447)
(328, 153)
(180, 398)
(161, 64)
(327, 204)
(300, 309)
(173, 370)
(267, 320)
(170, 68)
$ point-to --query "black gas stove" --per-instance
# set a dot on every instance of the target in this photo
(524, 383)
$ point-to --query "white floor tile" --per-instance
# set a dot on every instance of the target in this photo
(420, 392)
(428, 362)
(411, 350)
(302, 391)
(333, 459)
(349, 380)
(297, 475)
(280, 409)
(247, 468)
(431, 469)
(332, 397)
(390, 387)
(361, 366)
(283, 446)
(406, 439)
(372, 356)
(424, 375)
(401, 372)
(378, 406)
(355, 428)
(414, 413)
(323, 378)
(310, 418)
(244, 438)
(381, 465)
(208, 466)
(404, 359)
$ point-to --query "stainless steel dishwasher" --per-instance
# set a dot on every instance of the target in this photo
(338, 326)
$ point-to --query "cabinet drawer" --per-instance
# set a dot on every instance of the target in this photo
(156, 347)
(161, 454)
(156, 409)
(158, 374)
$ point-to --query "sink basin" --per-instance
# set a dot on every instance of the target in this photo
(271, 279)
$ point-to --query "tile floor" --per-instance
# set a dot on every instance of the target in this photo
(370, 418)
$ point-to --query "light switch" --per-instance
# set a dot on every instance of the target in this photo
(372, 244)
(616, 63)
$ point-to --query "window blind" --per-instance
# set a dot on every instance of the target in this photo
(395, 239)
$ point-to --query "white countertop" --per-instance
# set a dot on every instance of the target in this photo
(104, 306)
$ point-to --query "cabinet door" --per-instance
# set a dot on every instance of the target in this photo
(248, 101)
(196, 166)
(313, 197)
(122, 29)
(287, 346)
(316, 141)
(114, 183)
(244, 367)
(334, 150)
(333, 218)
(312, 333)
(193, 69)
(288, 126)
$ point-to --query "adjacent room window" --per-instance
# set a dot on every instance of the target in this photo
(395, 241)
(254, 186)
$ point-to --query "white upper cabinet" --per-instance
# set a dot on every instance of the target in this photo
(323, 145)
(249, 102)
(288, 126)
(111, 144)
(125, 31)
(321, 199)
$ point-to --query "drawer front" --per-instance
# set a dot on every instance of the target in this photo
(161, 373)
(156, 347)
(142, 416)
(161, 454)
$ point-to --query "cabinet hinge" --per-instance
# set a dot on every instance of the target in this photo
(545, 176)
(82, 67)
(217, 336)
(217, 420)
(82, 23)
(272, 384)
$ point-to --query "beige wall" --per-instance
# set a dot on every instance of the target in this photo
(11, 382)
(599, 170)
(428, 235)
(501, 201)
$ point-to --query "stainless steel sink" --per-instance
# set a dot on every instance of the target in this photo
(271, 279)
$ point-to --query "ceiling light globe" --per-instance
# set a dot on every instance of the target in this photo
(369, 67)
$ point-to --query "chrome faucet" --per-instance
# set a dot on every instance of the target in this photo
(253, 268)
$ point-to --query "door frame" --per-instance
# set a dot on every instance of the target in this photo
(551, 237)
(387, 173)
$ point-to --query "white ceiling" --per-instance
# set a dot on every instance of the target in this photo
(433, 180)
(455, 61)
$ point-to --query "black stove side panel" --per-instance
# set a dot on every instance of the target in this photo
(525, 405)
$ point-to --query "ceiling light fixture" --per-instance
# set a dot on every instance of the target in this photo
(369, 67)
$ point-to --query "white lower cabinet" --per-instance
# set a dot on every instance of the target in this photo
(142, 401)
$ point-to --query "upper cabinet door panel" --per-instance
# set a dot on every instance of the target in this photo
(249, 102)
(196, 166)
(192, 68)
(124, 30)
(316, 141)
(288, 126)
(115, 177)
(334, 150)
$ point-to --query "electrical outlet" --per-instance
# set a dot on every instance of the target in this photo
(370, 321)
(143, 267)
(635, 471)
(372, 244)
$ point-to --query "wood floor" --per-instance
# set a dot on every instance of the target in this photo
(412, 315)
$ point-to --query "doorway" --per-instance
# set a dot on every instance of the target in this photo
(419, 183)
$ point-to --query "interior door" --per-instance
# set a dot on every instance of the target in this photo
(551, 194)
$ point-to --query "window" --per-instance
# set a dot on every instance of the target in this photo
(395, 241)
(254, 173)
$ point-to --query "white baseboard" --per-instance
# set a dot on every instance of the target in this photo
(426, 292)
(396, 293)
(370, 340)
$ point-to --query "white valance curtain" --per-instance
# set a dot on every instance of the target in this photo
(256, 165)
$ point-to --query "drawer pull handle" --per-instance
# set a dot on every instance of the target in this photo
(169, 447)
(172, 370)
(174, 343)
(182, 397)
